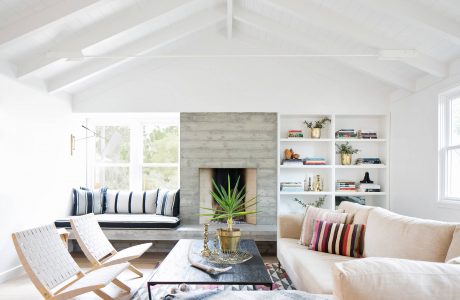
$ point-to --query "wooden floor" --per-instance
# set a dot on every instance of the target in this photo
(22, 289)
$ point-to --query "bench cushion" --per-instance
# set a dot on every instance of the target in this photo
(129, 221)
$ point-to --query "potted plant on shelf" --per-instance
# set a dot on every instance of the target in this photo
(233, 204)
(315, 127)
(346, 152)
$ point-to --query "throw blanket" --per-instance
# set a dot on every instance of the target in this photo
(245, 295)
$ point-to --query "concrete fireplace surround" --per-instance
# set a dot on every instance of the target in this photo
(229, 140)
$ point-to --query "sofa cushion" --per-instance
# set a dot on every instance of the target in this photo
(392, 235)
(129, 221)
(358, 213)
(334, 238)
(310, 271)
(314, 213)
(454, 248)
(129, 202)
(290, 226)
(168, 202)
(390, 278)
(86, 201)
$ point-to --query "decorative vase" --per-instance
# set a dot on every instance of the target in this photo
(315, 133)
(345, 159)
(229, 240)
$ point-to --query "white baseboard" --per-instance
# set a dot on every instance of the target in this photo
(11, 273)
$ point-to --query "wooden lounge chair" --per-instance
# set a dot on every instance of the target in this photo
(98, 248)
(54, 272)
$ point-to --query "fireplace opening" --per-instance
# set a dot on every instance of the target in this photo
(247, 178)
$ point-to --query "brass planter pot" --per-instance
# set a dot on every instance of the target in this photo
(315, 133)
(345, 159)
(229, 240)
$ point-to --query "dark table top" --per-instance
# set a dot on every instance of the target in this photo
(176, 267)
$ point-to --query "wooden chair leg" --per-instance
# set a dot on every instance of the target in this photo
(121, 285)
(103, 295)
(135, 270)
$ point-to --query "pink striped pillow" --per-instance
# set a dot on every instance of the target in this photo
(315, 213)
(341, 239)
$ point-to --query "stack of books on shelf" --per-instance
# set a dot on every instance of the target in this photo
(369, 187)
(295, 134)
(291, 187)
(314, 161)
(367, 134)
(345, 186)
(292, 162)
(345, 134)
(368, 161)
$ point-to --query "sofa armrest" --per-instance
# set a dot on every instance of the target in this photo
(290, 226)
(390, 278)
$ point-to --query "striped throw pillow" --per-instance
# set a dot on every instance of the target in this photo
(341, 239)
(315, 213)
(168, 202)
(129, 202)
(87, 201)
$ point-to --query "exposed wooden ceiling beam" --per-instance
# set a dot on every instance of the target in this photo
(370, 66)
(124, 22)
(325, 18)
(147, 45)
(38, 20)
(419, 14)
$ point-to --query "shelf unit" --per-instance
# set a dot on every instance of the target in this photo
(333, 171)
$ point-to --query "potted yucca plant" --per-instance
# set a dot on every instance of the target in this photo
(232, 205)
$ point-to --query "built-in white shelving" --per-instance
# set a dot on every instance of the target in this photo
(333, 170)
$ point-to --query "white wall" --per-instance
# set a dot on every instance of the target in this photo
(36, 172)
(414, 144)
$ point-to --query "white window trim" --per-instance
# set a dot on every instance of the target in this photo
(136, 155)
(444, 145)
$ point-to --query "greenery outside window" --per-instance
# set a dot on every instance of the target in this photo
(136, 153)
(449, 162)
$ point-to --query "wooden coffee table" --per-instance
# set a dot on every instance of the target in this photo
(176, 269)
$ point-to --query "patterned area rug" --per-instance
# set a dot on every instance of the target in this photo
(281, 281)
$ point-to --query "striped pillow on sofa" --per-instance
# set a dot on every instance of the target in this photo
(168, 202)
(340, 239)
(129, 202)
(85, 201)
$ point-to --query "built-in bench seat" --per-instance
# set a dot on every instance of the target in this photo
(129, 221)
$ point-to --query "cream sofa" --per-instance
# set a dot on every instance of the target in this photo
(405, 258)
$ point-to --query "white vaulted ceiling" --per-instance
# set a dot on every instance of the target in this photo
(74, 46)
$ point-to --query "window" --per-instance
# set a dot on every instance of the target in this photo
(450, 148)
(135, 153)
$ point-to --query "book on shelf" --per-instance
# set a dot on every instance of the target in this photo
(314, 161)
(291, 186)
(345, 134)
(292, 162)
(368, 161)
(367, 134)
(369, 187)
(345, 186)
(295, 134)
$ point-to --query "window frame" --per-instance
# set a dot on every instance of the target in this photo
(444, 146)
(136, 145)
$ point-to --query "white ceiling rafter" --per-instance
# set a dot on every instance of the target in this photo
(421, 15)
(155, 41)
(126, 21)
(229, 19)
(325, 18)
(42, 18)
(371, 66)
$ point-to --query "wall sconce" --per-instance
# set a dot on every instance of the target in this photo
(109, 149)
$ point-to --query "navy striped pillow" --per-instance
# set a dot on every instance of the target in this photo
(168, 202)
(87, 201)
(129, 202)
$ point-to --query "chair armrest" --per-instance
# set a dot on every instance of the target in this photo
(390, 278)
(290, 226)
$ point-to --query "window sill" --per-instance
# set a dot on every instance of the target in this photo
(449, 203)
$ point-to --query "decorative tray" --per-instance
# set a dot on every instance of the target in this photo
(229, 258)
